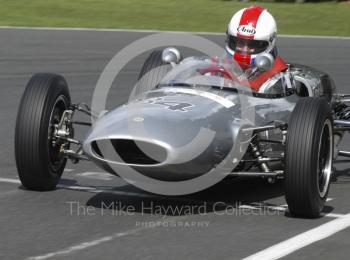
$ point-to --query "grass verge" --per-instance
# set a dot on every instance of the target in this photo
(179, 15)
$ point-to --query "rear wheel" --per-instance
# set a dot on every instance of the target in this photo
(39, 160)
(309, 156)
(152, 72)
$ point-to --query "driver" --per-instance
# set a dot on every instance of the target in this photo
(252, 31)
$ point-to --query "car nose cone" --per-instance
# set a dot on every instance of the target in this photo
(165, 137)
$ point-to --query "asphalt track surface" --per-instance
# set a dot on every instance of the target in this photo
(72, 221)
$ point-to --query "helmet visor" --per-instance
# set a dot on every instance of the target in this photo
(246, 46)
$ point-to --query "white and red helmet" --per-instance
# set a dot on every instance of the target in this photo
(251, 31)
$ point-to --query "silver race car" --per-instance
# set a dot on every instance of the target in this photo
(188, 117)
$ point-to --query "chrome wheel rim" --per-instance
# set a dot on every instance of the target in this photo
(325, 159)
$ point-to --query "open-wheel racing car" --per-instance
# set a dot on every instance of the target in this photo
(288, 128)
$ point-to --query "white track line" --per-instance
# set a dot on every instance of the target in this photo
(84, 245)
(88, 189)
(302, 240)
(10, 180)
(92, 189)
(156, 31)
(96, 175)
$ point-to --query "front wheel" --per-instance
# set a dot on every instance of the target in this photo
(309, 156)
(152, 72)
(39, 160)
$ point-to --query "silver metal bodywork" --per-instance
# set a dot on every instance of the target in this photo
(172, 121)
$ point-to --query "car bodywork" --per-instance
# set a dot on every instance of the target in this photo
(160, 133)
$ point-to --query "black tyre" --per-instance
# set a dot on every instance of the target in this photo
(309, 156)
(152, 72)
(39, 162)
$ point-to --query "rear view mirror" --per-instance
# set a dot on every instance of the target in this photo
(264, 62)
(171, 55)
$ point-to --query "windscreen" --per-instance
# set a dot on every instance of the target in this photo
(206, 72)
